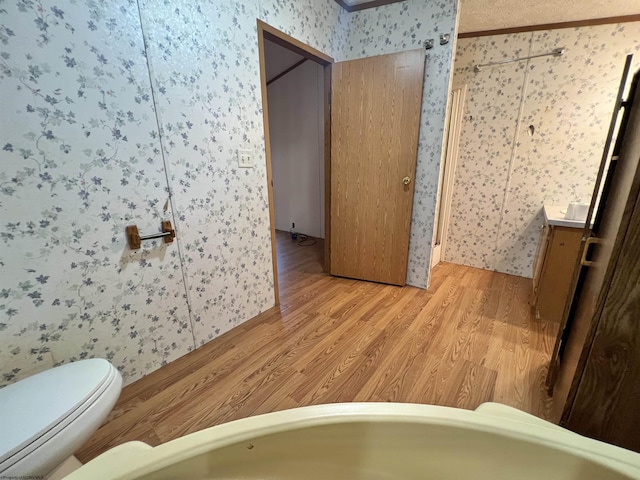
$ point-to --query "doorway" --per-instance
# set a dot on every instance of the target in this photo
(296, 116)
(295, 81)
(369, 167)
(447, 173)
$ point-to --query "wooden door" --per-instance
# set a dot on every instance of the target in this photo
(599, 261)
(587, 281)
(375, 117)
(606, 394)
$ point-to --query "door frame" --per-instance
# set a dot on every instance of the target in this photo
(266, 31)
(564, 388)
(449, 162)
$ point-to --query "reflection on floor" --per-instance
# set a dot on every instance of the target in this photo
(470, 338)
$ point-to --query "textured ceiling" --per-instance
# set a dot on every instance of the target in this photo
(479, 15)
(278, 59)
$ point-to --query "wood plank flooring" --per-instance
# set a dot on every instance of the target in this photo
(470, 338)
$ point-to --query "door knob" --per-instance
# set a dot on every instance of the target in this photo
(406, 180)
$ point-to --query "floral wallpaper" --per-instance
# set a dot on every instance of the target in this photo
(321, 24)
(117, 113)
(80, 161)
(203, 59)
(533, 134)
(206, 84)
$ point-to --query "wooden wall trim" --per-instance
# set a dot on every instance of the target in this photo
(290, 43)
(282, 74)
(362, 6)
(327, 169)
(606, 396)
(267, 148)
(552, 26)
(266, 31)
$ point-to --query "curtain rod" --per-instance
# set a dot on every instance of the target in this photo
(556, 52)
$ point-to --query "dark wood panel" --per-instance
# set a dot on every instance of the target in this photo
(621, 187)
(607, 391)
(606, 403)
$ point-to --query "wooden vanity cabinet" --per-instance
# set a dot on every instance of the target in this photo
(553, 268)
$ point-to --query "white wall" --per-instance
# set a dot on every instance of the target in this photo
(296, 133)
(278, 59)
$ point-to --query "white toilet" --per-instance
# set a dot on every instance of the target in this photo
(377, 440)
(45, 418)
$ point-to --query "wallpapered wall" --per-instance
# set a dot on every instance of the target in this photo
(109, 104)
(80, 161)
(504, 175)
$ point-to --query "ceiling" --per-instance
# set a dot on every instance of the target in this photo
(481, 15)
(278, 59)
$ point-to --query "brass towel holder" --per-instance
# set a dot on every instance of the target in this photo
(134, 238)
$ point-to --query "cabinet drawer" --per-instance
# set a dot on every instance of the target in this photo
(556, 272)
(541, 252)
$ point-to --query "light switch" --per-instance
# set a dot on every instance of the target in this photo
(245, 159)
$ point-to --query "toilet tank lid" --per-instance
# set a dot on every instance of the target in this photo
(32, 406)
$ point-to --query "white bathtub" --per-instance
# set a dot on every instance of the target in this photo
(372, 441)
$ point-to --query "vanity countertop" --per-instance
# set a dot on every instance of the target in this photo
(554, 215)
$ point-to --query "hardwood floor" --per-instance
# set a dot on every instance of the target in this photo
(470, 338)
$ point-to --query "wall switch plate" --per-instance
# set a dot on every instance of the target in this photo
(245, 158)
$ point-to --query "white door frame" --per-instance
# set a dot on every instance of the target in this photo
(447, 174)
